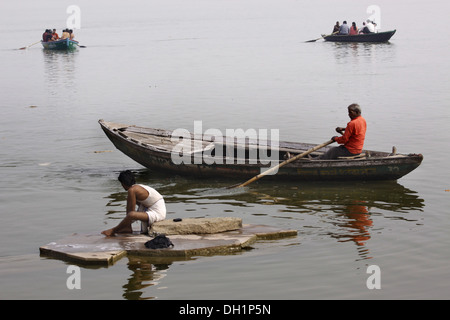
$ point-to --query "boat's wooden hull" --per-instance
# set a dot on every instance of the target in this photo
(370, 37)
(379, 166)
(65, 44)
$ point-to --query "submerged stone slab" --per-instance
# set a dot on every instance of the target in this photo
(96, 249)
(197, 225)
(199, 245)
(89, 248)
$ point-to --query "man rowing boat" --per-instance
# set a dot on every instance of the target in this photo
(352, 139)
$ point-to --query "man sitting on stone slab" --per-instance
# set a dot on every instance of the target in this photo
(151, 206)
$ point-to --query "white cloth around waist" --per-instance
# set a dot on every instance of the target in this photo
(157, 212)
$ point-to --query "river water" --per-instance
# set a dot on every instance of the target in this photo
(230, 64)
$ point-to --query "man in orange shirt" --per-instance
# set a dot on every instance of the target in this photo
(55, 35)
(352, 139)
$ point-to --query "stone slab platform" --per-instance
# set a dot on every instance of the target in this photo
(96, 249)
(197, 225)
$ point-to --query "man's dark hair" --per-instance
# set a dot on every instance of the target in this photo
(127, 178)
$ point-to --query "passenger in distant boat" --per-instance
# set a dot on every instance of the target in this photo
(344, 29)
(353, 29)
(361, 30)
(55, 36)
(47, 35)
(336, 27)
(71, 34)
(375, 27)
(352, 139)
(65, 34)
(369, 28)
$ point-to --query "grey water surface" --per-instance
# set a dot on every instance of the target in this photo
(230, 64)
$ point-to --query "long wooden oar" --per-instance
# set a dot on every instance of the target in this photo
(23, 48)
(323, 36)
(301, 155)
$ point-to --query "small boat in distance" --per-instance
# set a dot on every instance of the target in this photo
(364, 37)
(225, 157)
(64, 44)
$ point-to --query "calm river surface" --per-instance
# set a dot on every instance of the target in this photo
(230, 64)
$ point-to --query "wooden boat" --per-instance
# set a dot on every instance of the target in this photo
(153, 149)
(368, 37)
(64, 44)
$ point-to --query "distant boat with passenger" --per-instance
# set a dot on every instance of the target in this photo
(52, 41)
(362, 37)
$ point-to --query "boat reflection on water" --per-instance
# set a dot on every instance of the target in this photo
(357, 222)
(60, 71)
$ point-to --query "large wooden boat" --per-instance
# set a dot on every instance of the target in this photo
(64, 44)
(367, 37)
(156, 149)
